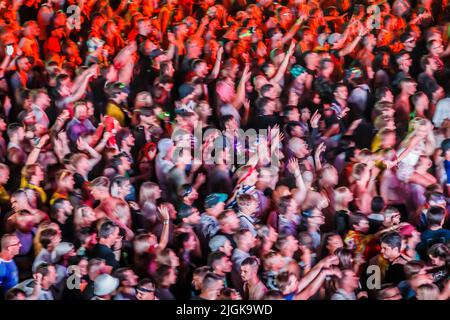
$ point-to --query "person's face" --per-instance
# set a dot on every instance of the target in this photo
(270, 71)
(334, 242)
(81, 112)
(51, 276)
(197, 282)
(172, 277)
(249, 240)
(227, 248)
(292, 243)
(292, 207)
(190, 244)
(131, 278)
(305, 115)
(247, 272)
(226, 264)
(389, 140)
(216, 288)
(43, 100)
(328, 69)
(83, 267)
(363, 226)
(3, 125)
(437, 48)
(39, 174)
(14, 246)
(410, 44)
(389, 253)
(4, 176)
(232, 221)
(342, 93)
(24, 65)
(141, 295)
(351, 279)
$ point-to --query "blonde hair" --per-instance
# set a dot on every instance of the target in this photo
(339, 195)
(428, 291)
(358, 170)
(147, 192)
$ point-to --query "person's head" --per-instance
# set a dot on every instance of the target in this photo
(287, 205)
(408, 86)
(326, 67)
(428, 291)
(391, 245)
(40, 98)
(435, 47)
(84, 216)
(33, 173)
(361, 172)
(331, 242)
(189, 215)
(228, 221)
(439, 254)
(298, 147)
(108, 233)
(287, 282)
(49, 239)
(220, 263)
(287, 245)
(165, 276)
(222, 244)
(48, 272)
(342, 197)
(340, 92)
(120, 187)
(211, 286)
(99, 188)
(349, 280)
(145, 289)
(167, 257)
(198, 277)
(328, 176)
(4, 174)
(15, 294)
(64, 180)
(247, 203)
(389, 291)
(391, 217)
(359, 222)
(435, 217)
(186, 242)
(23, 64)
(291, 113)
(16, 132)
(10, 245)
(118, 92)
(127, 277)
(245, 240)
(409, 42)
(215, 203)
(249, 269)
(187, 193)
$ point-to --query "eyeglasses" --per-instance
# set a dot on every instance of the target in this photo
(14, 244)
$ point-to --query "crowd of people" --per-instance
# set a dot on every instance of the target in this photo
(342, 193)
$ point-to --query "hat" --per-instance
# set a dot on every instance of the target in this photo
(185, 211)
(155, 53)
(215, 198)
(61, 249)
(334, 37)
(104, 284)
(185, 89)
(119, 87)
(297, 70)
(164, 146)
(217, 242)
(445, 146)
(94, 43)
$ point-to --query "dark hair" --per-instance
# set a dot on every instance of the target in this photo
(13, 294)
(413, 267)
(439, 250)
(161, 272)
(392, 239)
(251, 261)
(209, 280)
(377, 204)
(106, 229)
(215, 256)
(46, 237)
(356, 218)
(435, 215)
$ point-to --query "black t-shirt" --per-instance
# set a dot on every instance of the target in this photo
(395, 274)
(103, 252)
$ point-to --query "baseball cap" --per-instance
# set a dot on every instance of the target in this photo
(105, 284)
(119, 87)
(445, 146)
(217, 242)
(155, 53)
(215, 198)
(185, 211)
(185, 89)
(297, 70)
(61, 249)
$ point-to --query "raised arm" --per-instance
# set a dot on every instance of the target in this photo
(34, 154)
(240, 94)
(164, 211)
(282, 69)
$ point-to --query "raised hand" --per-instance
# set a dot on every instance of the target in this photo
(293, 166)
(315, 119)
(164, 212)
(43, 141)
